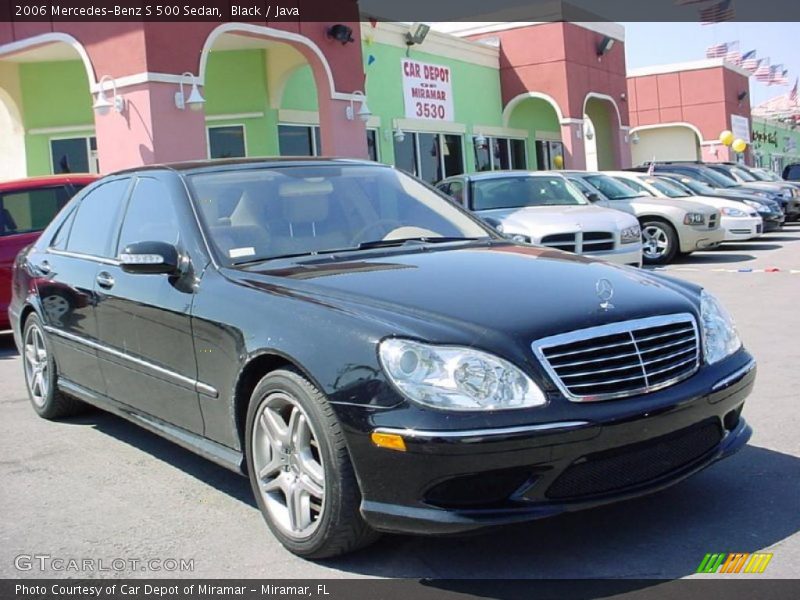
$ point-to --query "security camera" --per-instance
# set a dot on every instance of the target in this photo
(341, 33)
(417, 34)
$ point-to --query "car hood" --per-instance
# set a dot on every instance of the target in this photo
(719, 203)
(543, 220)
(467, 293)
(651, 203)
(765, 186)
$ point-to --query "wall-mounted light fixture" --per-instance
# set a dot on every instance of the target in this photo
(605, 45)
(399, 135)
(341, 33)
(363, 111)
(588, 130)
(102, 105)
(195, 101)
(635, 137)
(741, 96)
(417, 34)
(480, 141)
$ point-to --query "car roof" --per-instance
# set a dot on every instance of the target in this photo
(231, 164)
(47, 181)
(505, 173)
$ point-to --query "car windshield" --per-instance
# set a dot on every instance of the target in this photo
(612, 188)
(669, 189)
(252, 214)
(524, 191)
(718, 179)
(743, 175)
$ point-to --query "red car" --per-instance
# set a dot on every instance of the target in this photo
(26, 207)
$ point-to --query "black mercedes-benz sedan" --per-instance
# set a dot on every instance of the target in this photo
(369, 354)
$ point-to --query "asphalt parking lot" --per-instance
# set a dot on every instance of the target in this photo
(98, 487)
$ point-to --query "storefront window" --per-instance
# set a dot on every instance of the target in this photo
(546, 153)
(405, 154)
(299, 140)
(501, 154)
(430, 156)
(430, 164)
(372, 144)
(226, 142)
(74, 155)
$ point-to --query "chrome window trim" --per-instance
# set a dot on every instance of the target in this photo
(98, 259)
(198, 386)
(540, 345)
(481, 433)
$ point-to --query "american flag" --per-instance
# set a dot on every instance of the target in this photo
(780, 76)
(733, 55)
(763, 72)
(722, 11)
(793, 92)
(749, 61)
(717, 50)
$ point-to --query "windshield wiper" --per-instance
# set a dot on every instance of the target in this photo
(417, 240)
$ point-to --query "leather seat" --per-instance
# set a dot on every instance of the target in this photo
(307, 225)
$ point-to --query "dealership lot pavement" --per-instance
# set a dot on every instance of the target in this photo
(98, 487)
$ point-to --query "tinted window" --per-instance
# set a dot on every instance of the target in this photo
(635, 185)
(372, 144)
(457, 191)
(70, 156)
(405, 156)
(792, 173)
(59, 241)
(519, 192)
(611, 188)
(296, 140)
(30, 210)
(226, 142)
(96, 219)
(150, 216)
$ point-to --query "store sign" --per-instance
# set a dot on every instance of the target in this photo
(766, 138)
(427, 91)
(740, 126)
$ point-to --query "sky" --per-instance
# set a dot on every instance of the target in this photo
(648, 44)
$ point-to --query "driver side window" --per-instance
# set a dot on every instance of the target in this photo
(150, 216)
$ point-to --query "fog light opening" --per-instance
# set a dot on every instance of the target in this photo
(392, 441)
(731, 419)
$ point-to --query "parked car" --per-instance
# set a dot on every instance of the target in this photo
(769, 210)
(791, 172)
(788, 193)
(715, 178)
(738, 221)
(546, 209)
(372, 356)
(668, 227)
(26, 207)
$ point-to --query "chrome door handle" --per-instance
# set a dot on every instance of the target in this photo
(105, 280)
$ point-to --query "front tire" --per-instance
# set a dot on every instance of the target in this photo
(41, 374)
(660, 242)
(300, 469)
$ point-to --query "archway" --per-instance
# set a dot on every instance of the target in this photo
(667, 141)
(12, 139)
(541, 117)
(601, 131)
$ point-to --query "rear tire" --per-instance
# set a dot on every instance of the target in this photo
(660, 242)
(300, 469)
(41, 374)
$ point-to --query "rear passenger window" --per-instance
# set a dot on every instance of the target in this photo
(150, 216)
(95, 223)
(59, 241)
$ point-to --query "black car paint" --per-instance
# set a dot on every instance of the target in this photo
(179, 354)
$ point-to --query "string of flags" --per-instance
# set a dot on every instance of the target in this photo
(760, 68)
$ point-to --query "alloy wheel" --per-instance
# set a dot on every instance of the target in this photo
(36, 365)
(288, 466)
(655, 242)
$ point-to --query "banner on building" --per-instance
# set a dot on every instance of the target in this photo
(427, 91)
(740, 126)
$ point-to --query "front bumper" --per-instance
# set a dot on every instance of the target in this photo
(696, 238)
(625, 254)
(741, 228)
(451, 480)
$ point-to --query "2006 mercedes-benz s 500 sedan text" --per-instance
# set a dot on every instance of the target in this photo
(371, 355)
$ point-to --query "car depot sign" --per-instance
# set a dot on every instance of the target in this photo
(427, 91)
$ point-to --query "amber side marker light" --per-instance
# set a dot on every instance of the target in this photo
(392, 441)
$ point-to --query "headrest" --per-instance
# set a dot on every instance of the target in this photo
(308, 209)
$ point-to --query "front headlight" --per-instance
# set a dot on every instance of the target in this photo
(518, 237)
(632, 234)
(456, 378)
(720, 338)
(760, 207)
(694, 219)
(733, 212)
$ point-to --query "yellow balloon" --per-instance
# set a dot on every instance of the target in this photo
(739, 145)
(726, 137)
(558, 161)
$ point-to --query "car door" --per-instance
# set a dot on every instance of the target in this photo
(65, 281)
(143, 320)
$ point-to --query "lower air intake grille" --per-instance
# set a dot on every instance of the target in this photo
(637, 464)
(621, 359)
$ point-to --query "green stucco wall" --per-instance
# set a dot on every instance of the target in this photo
(773, 146)
(600, 114)
(539, 119)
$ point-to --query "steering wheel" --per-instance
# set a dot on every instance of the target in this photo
(357, 238)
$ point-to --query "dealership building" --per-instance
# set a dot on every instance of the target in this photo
(100, 97)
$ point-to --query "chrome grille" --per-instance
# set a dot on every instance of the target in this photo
(585, 242)
(621, 359)
(712, 221)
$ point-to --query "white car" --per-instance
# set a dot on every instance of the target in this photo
(547, 210)
(740, 222)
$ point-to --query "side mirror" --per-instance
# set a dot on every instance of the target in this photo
(593, 197)
(150, 258)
